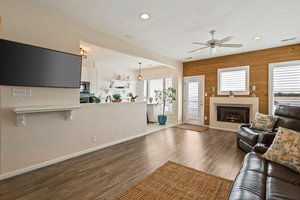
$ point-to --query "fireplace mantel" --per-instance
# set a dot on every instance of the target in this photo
(251, 102)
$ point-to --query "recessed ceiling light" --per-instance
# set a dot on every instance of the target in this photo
(257, 37)
(188, 58)
(198, 50)
(144, 16)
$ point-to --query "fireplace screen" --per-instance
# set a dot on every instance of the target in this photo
(233, 114)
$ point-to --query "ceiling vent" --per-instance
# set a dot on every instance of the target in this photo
(288, 39)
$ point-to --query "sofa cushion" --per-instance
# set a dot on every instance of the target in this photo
(278, 189)
(264, 122)
(283, 173)
(285, 149)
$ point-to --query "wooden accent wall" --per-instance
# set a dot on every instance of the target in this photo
(258, 62)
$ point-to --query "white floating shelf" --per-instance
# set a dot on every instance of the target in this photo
(22, 110)
(123, 81)
(122, 89)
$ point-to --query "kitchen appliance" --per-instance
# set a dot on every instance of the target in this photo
(85, 87)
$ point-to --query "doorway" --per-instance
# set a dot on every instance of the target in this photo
(194, 100)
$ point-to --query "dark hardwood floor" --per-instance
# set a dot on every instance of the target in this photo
(105, 173)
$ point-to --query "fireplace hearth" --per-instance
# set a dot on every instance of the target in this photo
(233, 114)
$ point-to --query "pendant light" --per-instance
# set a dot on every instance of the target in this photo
(140, 76)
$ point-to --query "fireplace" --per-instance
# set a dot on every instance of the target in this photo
(233, 114)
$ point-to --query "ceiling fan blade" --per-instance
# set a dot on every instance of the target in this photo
(231, 45)
(225, 39)
(200, 43)
(197, 49)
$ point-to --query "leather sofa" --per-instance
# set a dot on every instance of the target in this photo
(247, 138)
(261, 179)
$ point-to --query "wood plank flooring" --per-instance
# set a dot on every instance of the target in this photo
(105, 173)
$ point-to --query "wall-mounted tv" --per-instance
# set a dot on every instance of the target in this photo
(27, 65)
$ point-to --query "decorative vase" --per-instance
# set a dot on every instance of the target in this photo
(162, 119)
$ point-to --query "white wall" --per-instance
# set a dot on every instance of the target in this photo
(25, 23)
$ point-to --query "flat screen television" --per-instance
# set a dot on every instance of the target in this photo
(27, 65)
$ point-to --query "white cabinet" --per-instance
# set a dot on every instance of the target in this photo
(90, 75)
(153, 110)
(85, 74)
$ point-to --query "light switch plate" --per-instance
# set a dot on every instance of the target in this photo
(21, 92)
(205, 94)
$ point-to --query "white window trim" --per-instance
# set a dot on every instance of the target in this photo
(247, 67)
(270, 80)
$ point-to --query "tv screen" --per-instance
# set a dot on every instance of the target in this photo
(26, 65)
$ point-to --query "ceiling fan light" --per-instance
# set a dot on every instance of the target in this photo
(213, 50)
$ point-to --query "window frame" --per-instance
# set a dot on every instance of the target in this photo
(270, 80)
(228, 69)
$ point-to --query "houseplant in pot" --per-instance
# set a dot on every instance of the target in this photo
(164, 97)
(116, 98)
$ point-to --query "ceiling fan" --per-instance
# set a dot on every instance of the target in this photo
(214, 43)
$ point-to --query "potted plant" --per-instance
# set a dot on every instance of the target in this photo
(132, 98)
(150, 99)
(164, 97)
(117, 98)
(95, 99)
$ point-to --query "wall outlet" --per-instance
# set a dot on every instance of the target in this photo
(205, 118)
(21, 92)
(93, 138)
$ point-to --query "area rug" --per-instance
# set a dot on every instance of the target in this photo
(173, 181)
(191, 127)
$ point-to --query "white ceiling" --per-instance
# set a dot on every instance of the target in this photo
(175, 24)
(115, 59)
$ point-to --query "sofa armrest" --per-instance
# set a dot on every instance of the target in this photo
(266, 137)
(260, 148)
(244, 125)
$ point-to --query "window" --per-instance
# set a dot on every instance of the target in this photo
(168, 83)
(235, 79)
(284, 82)
(145, 90)
(151, 85)
(155, 84)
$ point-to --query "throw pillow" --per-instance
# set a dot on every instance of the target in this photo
(264, 122)
(285, 149)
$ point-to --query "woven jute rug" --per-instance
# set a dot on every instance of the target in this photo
(191, 127)
(173, 182)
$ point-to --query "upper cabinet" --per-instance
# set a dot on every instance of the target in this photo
(89, 74)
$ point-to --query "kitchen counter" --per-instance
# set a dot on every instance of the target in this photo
(110, 104)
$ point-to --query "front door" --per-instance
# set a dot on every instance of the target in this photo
(193, 100)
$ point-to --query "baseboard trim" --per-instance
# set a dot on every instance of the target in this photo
(69, 156)
(223, 129)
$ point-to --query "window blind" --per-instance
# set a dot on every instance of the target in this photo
(193, 100)
(286, 86)
(233, 80)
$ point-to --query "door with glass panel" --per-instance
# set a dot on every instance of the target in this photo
(193, 100)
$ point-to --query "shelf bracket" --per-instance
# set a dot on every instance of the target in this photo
(69, 115)
(21, 119)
